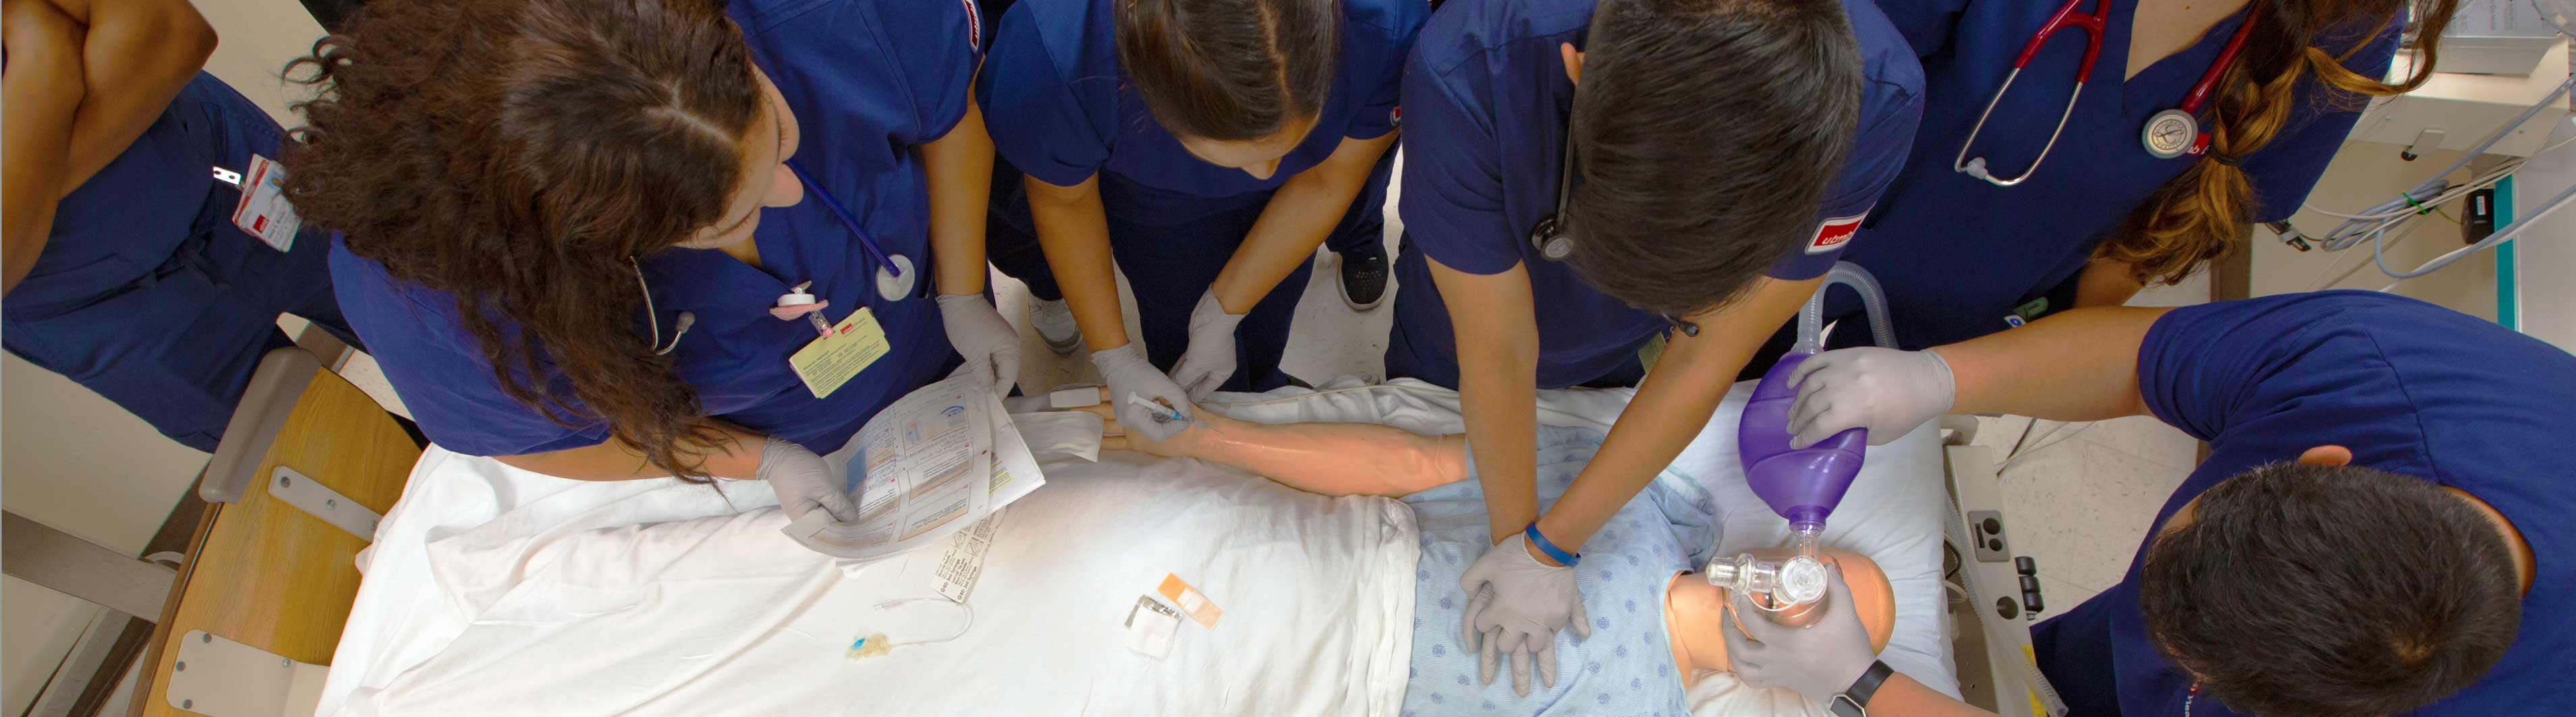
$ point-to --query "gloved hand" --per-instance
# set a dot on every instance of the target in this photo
(1886, 391)
(1818, 661)
(1210, 359)
(1516, 606)
(991, 348)
(803, 481)
(1127, 373)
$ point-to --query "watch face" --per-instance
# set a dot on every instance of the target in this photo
(1843, 706)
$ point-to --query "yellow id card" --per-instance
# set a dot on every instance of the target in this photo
(831, 360)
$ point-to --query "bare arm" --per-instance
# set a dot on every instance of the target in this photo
(1073, 227)
(40, 93)
(1497, 343)
(1672, 405)
(139, 53)
(1901, 696)
(960, 169)
(738, 457)
(2079, 365)
(1298, 218)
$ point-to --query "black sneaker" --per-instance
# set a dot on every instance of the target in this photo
(1364, 279)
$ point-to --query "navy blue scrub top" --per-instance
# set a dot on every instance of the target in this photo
(1488, 102)
(1956, 254)
(2411, 388)
(869, 82)
(130, 217)
(1061, 109)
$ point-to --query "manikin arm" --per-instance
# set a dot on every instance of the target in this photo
(1326, 458)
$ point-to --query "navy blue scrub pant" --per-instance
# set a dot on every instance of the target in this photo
(2074, 651)
(1171, 248)
(178, 345)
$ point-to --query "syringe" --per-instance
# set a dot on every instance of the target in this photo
(1161, 413)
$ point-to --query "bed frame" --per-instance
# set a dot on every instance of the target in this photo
(306, 467)
(1998, 596)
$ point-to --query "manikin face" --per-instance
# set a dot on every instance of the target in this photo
(766, 181)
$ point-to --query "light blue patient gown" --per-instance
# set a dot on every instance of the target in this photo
(1626, 666)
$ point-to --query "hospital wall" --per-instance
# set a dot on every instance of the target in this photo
(73, 461)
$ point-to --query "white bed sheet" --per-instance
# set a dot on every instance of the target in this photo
(492, 590)
(1893, 513)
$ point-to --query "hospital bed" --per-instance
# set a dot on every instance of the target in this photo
(489, 590)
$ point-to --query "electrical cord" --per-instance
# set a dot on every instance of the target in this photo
(2372, 224)
(2034, 450)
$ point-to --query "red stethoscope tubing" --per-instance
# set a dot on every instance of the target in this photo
(2093, 26)
(2226, 57)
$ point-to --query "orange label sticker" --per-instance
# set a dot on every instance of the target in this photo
(1190, 601)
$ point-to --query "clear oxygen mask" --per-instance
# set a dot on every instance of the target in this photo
(1789, 590)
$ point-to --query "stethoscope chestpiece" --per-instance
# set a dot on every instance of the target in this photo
(1549, 237)
(2170, 133)
(896, 278)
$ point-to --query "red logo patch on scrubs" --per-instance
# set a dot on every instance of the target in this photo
(974, 24)
(1395, 116)
(1835, 232)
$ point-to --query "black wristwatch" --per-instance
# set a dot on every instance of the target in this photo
(1854, 700)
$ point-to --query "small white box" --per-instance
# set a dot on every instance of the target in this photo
(2497, 37)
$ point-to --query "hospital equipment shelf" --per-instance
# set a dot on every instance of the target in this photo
(2454, 111)
(261, 572)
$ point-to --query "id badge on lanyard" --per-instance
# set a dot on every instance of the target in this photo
(263, 211)
(852, 346)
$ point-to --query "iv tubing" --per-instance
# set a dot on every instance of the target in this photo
(1811, 318)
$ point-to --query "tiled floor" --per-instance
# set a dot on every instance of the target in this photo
(2080, 496)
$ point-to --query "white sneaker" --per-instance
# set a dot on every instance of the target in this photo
(1054, 322)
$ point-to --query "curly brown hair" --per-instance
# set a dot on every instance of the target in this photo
(521, 154)
(2208, 211)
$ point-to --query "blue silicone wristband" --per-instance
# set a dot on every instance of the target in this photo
(1553, 552)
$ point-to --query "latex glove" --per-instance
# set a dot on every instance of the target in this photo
(803, 481)
(1518, 604)
(1210, 359)
(1818, 661)
(1886, 391)
(1127, 373)
(991, 348)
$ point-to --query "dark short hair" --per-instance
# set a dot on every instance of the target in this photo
(2331, 591)
(1230, 69)
(1705, 135)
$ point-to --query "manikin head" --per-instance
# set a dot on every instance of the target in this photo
(2324, 589)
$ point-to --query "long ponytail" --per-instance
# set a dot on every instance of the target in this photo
(2207, 212)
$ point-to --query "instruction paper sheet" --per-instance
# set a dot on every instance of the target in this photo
(937, 461)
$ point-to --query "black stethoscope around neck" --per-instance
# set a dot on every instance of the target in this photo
(1555, 242)
(896, 277)
(1549, 235)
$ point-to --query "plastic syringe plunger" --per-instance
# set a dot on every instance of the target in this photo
(1801, 484)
